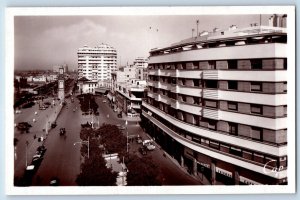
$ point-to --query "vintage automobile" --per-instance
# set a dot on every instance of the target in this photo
(62, 131)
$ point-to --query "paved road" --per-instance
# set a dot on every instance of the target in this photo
(28, 115)
(172, 174)
(62, 158)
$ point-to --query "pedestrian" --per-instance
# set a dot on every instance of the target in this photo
(34, 137)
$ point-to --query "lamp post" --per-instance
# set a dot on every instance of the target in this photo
(87, 142)
(126, 136)
(27, 143)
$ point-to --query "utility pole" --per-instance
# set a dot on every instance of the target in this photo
(197, 22)
(27, 143)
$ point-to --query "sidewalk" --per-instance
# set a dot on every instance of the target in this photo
(202, 179)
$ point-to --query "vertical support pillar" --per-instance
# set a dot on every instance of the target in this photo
(213, 173)
(182, 161)
(236, 178)
(195, 167)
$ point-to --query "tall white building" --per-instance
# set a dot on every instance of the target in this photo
(97, 63)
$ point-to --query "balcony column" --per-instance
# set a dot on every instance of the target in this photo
(213, 173)
(195, 167)
(236, 177)
(182, 161)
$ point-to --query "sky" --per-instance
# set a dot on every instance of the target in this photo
(44, 41)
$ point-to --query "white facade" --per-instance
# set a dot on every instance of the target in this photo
(96, 64)
(223, 98)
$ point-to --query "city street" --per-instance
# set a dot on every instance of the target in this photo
(38, 129)
(62, 158)
(172, 174)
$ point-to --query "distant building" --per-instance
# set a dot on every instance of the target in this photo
(96, 64)
(56, 68)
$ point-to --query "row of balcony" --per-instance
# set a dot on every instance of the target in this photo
(272, 76)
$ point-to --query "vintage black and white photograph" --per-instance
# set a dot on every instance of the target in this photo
(135, 98)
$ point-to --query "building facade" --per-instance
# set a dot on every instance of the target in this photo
(217, 103)
(96, 64)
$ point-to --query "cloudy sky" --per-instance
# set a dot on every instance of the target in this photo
(44, 41)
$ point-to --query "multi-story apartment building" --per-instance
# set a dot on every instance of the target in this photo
(96, 64)
(141, 65)
(217, 103)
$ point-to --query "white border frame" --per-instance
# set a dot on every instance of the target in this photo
(134, 11)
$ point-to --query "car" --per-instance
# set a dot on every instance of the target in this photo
(41, 150)
(139, 140)
(62, 131)
(42, 108)
(23, 126)
(18, 111)
(104, 101)
(143, 151)
(37, 156)
(53, 125)
(54, 181)
(150, 147)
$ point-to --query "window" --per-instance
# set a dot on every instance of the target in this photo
(232, 106)
(211, 104)
(232, 85)
(256, 133)
(235, 151)
(285, 87)
(232, 64)
(211, 84)
(256, 64)
(214, 144)
(212, 124)
(256, 87)
(256, 109)
(232, 128)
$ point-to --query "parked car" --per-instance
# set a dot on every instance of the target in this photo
(143, 151)
(18, 111)
(53, 125)
(104, 101)
(23, 126)
(54, 181)
(150, 147)
(139, 140)
(62, 131)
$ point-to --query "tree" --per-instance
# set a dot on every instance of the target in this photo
(95, 173)
(142, 172)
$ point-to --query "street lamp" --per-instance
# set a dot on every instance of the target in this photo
(27, 143)
(87, 142)
(126, 136)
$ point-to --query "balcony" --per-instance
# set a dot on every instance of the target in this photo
(191, 91)
(165, 99)
(174, 104)
(174, 88)
(153, 72)
(190, 108)
(165, 86)
(211, 114)
(166, 72)
(210, 94)
(211, 74)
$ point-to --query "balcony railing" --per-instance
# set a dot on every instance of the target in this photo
(210, 94)
(211, 74)
(211, 114)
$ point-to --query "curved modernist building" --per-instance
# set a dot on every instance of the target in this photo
(217, 104)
